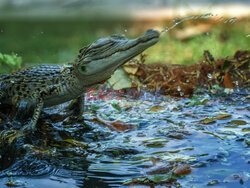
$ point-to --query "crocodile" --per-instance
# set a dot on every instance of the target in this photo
(35, 88)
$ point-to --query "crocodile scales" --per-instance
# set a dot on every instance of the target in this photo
(33, 89)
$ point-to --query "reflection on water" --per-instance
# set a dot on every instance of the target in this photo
(176, 132)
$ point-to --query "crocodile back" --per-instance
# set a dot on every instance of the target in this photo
(31, 82)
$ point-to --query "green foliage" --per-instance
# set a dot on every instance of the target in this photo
(58, 41)
(9, 62)
(222, 41)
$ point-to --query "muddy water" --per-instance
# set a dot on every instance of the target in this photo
(210, 133)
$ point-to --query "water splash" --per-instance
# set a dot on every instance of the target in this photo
(209, 76)
(178, 88)
(204, 16)
(231, 20)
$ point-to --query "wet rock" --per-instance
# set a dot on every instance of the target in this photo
(159, 169)
(182, 169)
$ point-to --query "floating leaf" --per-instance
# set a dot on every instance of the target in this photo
(197, 101)
(246, 129)
(207, 121)
(76, 143)
(238, 122)
(247, 142)
(156, 108)
(213, 182)
(11, 184)
(155, 144)
(94, 107)
(121, 126)
(116, 106)
(226, 116)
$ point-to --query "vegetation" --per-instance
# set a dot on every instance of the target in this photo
(40, 42)
(9, 62)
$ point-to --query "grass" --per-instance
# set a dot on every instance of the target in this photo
(39, 42)
(222, 41)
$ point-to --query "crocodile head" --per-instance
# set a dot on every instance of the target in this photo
(98, 61)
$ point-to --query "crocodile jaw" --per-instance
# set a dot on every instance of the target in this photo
(99, 61)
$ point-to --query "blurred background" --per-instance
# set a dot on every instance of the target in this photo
(53, 31)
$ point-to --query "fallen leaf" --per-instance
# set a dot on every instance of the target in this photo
(226, 116)
(213, 182)
(246, 129)
(238, 122)
(76, 143)
(116, 106)
(207, 121)
(121, 126)
(120, 80)
(156, 108)
(131, 68)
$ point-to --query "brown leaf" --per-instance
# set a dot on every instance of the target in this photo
(121, 126)
(227, 81)
(156, 108)
(114, 126)
(227, 116)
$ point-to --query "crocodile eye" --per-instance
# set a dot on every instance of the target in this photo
(83, 67)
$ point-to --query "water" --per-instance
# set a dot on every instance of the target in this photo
(91, 155)
(113, 146)
(204, 16)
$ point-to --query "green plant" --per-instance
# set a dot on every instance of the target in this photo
(9, 62)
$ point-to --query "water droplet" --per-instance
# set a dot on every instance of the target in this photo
(232, 20)
(125, 30)
(187, 81)
(205, 16)
(178, 88)
(209, 76)
(181, 94)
